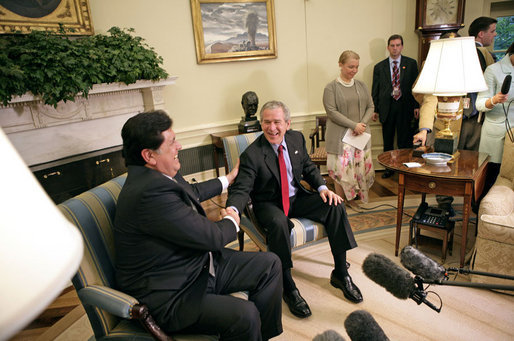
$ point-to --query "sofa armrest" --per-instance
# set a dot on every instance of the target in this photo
(113, 301)
(506, 221)
(498, 201)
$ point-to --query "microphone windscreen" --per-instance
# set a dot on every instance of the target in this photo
(361, 326)
(421, 265)
(328, 335)
(506, 84)
(387, 274)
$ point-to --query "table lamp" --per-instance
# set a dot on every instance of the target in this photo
(452, 69)
(39, 249)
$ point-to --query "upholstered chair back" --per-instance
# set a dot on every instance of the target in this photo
(304, 231)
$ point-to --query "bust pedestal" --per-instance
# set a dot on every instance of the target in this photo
(248, 126)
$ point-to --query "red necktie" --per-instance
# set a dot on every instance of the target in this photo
(283, 180)
(396, 80)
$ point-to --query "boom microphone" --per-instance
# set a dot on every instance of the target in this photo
(361, 326)
(387, 274)
(394, 279)
(421, 265)
(328, 335)
(506, 84)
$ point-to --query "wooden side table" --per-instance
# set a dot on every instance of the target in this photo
(217, 143)
(464, 176)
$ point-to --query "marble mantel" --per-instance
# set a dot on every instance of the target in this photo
(42, 133)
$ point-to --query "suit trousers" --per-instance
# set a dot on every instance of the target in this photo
(304, 205)
(398, 120)
(259, 317)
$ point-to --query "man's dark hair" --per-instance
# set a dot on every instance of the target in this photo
(480, 24)
(394, 37)
(143, 131)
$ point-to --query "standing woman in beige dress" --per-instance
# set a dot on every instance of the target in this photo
(349, 105)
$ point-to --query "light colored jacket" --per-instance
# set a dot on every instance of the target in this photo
(493, 129)
(339, 119)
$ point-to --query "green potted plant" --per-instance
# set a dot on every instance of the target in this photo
(58, 68)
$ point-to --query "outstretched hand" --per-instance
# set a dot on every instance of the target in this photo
(230, 212)
(233, 173)
(331, 197)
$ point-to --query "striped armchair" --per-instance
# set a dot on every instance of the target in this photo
(304, 231)
(112, 314)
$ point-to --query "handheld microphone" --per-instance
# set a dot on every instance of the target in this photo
(328, 335)
(394, 279)
(361, 326)
(506, 84)
(421, 265)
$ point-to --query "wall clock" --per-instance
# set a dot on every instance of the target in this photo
(436, 17)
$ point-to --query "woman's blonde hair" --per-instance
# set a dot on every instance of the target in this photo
(343, 58)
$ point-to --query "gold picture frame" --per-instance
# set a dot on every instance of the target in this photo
(233, 30)
(46, 15)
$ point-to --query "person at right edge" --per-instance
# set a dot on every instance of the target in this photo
(484, 31)
(496, 119)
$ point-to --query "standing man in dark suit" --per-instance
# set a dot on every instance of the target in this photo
(392, 95)
(172, 258)
(484, 31)
(270, 172)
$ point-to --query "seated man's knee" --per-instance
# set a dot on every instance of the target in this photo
(246, 320)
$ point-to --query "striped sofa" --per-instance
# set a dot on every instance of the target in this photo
(112, 314)
(304, 231)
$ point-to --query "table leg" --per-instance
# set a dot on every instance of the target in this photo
(399, 211)
(215, 153)
(465, 220)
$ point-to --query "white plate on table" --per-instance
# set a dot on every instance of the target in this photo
(437, 159)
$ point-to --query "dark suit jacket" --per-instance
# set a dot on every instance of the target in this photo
(259, 174)
(382, 86)
(162, 243)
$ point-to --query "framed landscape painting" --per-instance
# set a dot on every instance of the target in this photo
(46, 15)
(233, 30)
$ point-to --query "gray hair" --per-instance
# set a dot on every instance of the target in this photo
(275, 105)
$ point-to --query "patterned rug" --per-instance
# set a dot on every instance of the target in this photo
(381, 215)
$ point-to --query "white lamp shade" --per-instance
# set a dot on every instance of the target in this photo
(39, 249)
(451, 68)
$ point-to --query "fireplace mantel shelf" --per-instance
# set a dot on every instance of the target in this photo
(42, 133)
(99, 89)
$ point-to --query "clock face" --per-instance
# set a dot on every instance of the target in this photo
(441, 12)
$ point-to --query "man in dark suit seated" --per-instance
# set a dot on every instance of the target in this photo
(278, 195)
(172, 258)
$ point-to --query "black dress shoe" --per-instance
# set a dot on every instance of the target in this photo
(297, 304)
(350, 290)
(387, 174)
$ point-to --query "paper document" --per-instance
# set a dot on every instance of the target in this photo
(412, 164)
(357, 141)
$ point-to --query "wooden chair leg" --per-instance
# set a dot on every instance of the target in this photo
(241, 239)
(140, 312)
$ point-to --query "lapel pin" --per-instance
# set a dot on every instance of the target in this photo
(296, 152)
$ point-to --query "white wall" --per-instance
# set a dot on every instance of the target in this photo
(310, 36)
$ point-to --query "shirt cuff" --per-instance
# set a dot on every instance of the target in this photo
(235, 209)
(233, 220)
(322, 187)
(224, 182)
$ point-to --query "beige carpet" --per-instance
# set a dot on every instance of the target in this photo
(467, 314)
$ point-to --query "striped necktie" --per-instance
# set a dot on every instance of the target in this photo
(396, 81)
(283, 180)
